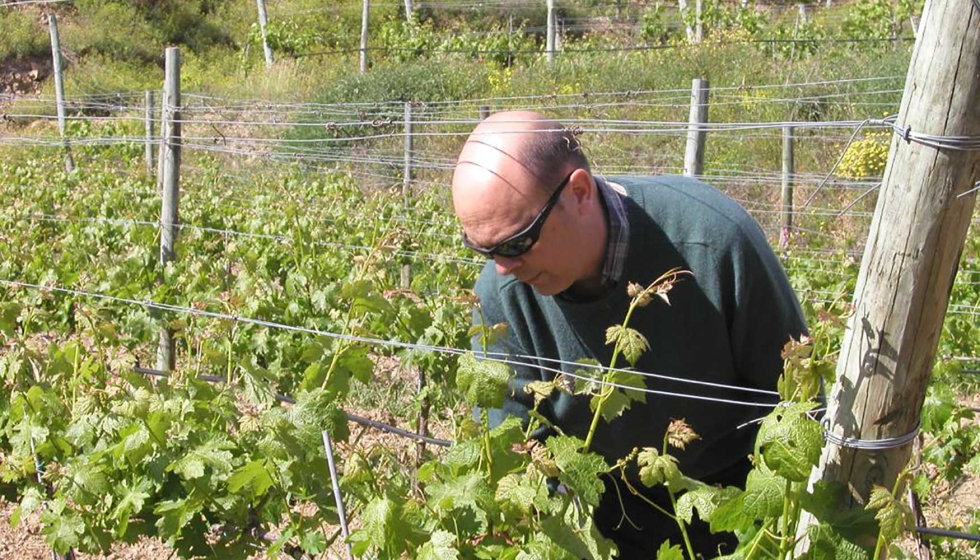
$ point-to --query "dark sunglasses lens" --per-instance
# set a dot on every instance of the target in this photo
(515, 247)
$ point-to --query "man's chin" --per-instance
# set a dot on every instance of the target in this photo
(548, 288)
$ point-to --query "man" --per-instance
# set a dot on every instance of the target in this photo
(564, 245)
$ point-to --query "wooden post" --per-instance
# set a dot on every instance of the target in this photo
(59, 89)
(406, 274)
(696, 132)
(484, 112)
(786, 211)
(365, 11)
(409, 10)
(263, 24)
(148, 125)
(407, 175)
(423, 422)
(698, 21)
(160, 151)
(170, 146)
(802, 18)
(688, 30)
(910, 260)
(550, 38)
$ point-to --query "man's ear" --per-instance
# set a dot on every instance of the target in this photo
(583, 187)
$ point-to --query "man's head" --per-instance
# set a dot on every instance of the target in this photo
(524, 195)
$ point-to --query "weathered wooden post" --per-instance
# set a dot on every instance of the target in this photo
(688, 29)
(263, 24)
(696, 132)
(148, 126)
(365, 11)
(160, 152)
(406, 281)
(484, 112)
(698, 21)
(786, 192)
(409, 10)
(170, 147)
(550, 37)
(59, 89)
(406, 272)
(910, 260)
(409, 139)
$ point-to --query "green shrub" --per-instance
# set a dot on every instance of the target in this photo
(99, 74)
(112, 30)
(879, 19)
(428, 80)
(22, 35)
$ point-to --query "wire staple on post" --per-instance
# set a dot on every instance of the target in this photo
(869, 444)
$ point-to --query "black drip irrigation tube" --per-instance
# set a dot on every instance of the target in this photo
(945, 533)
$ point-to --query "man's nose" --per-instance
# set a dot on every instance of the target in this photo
(506, 265)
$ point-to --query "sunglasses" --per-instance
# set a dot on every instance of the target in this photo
(521, 242)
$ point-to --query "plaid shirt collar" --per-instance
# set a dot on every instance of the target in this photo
(613, 196)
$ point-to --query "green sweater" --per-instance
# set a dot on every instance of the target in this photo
(725, 325)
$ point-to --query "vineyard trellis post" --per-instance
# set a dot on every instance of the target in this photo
(409, 11)
(409, 139)
(698, 21)
(786, 191)
(688, 30)
(170, 148)
(365, 12)
(163, 117)
(550, 37)
(406, 271)
(910, 260)
(59, 89)
(148, 126)
(263, 25)
(696, 132)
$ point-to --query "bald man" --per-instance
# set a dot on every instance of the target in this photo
(563, 244)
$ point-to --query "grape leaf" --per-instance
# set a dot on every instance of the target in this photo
(730, 515)
(131, 500)
(630, 342)
(670, 552)
(790, 441)
(618, 400)
(253, 477)
(316, 411)
(579, 471)
(656, 468)
(826, 544)
(483, 383)
(380, 529)
(441, 546)
(893, 516)
(702, 497)
(61, 528)
(517, 495)
(764, 493)
(580, 537)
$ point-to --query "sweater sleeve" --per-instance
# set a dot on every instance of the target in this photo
(766, 312)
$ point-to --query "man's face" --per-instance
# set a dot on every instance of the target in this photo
(495, 212)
